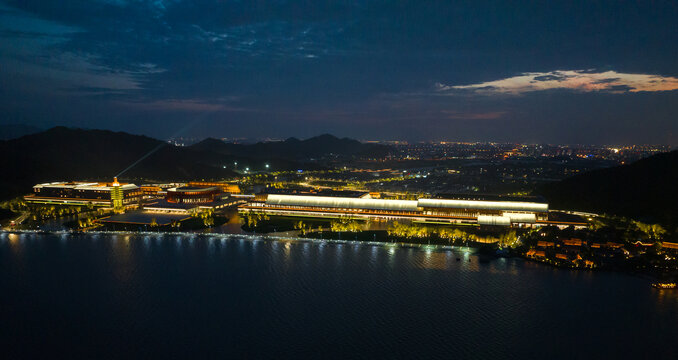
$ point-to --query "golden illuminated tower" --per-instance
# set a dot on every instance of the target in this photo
(116, 194)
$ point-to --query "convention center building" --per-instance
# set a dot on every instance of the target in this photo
(446, 210)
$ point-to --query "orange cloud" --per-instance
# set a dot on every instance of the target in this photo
(578, 80)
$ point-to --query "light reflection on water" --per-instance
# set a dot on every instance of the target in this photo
(14, 242)
(232, 292)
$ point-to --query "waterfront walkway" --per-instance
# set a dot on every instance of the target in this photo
(250, 237)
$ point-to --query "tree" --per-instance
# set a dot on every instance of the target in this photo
(658, 231)
(508, 239)
(652, 231)
(207, 216)
(345, 224)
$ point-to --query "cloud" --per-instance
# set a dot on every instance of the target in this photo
(158, 7)
(577, 80)
(32, 50)
(189, 105)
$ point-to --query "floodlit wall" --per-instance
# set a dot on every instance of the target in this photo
(494, 220)
(341, 202)
(521, 217)
(483, 205)
(486, 212)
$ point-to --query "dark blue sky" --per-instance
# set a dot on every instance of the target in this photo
(536, 71)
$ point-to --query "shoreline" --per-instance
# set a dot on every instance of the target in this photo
(475, 247)
(247, 236)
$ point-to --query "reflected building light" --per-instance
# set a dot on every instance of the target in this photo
(286, 250)
(339, 254)
(13, 239)
(306, 249)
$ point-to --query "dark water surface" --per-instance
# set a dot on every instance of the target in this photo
(112, 296)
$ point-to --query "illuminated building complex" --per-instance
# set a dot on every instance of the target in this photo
(192, 195)
(85, 193)
(482, 212)
(183, 200)
(224, 186)
(117, 195)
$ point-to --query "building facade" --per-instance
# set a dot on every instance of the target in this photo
(223, 186)
(192, 195)
(504, 213)
(85, 193)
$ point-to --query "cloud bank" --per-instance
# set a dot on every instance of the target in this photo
(577, 80)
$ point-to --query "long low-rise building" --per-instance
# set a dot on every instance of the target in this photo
(85, 193)
(483, 212)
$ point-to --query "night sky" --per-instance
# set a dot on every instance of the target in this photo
(570, 71)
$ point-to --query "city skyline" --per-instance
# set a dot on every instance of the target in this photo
(563, 72)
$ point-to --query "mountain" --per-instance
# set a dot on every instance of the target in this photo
(323, 146)
(75, 154)
(13, 131)
(64, 153)
(645, 190)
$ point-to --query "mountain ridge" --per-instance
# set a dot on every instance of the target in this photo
(64, 153)
(324, 145)
(644, 190)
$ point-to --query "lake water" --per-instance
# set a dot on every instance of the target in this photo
(112, 296)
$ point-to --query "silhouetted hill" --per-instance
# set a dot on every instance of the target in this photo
(645, 190)
(73, 154)
(323, 146)
(13, 131)
(64, 153)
